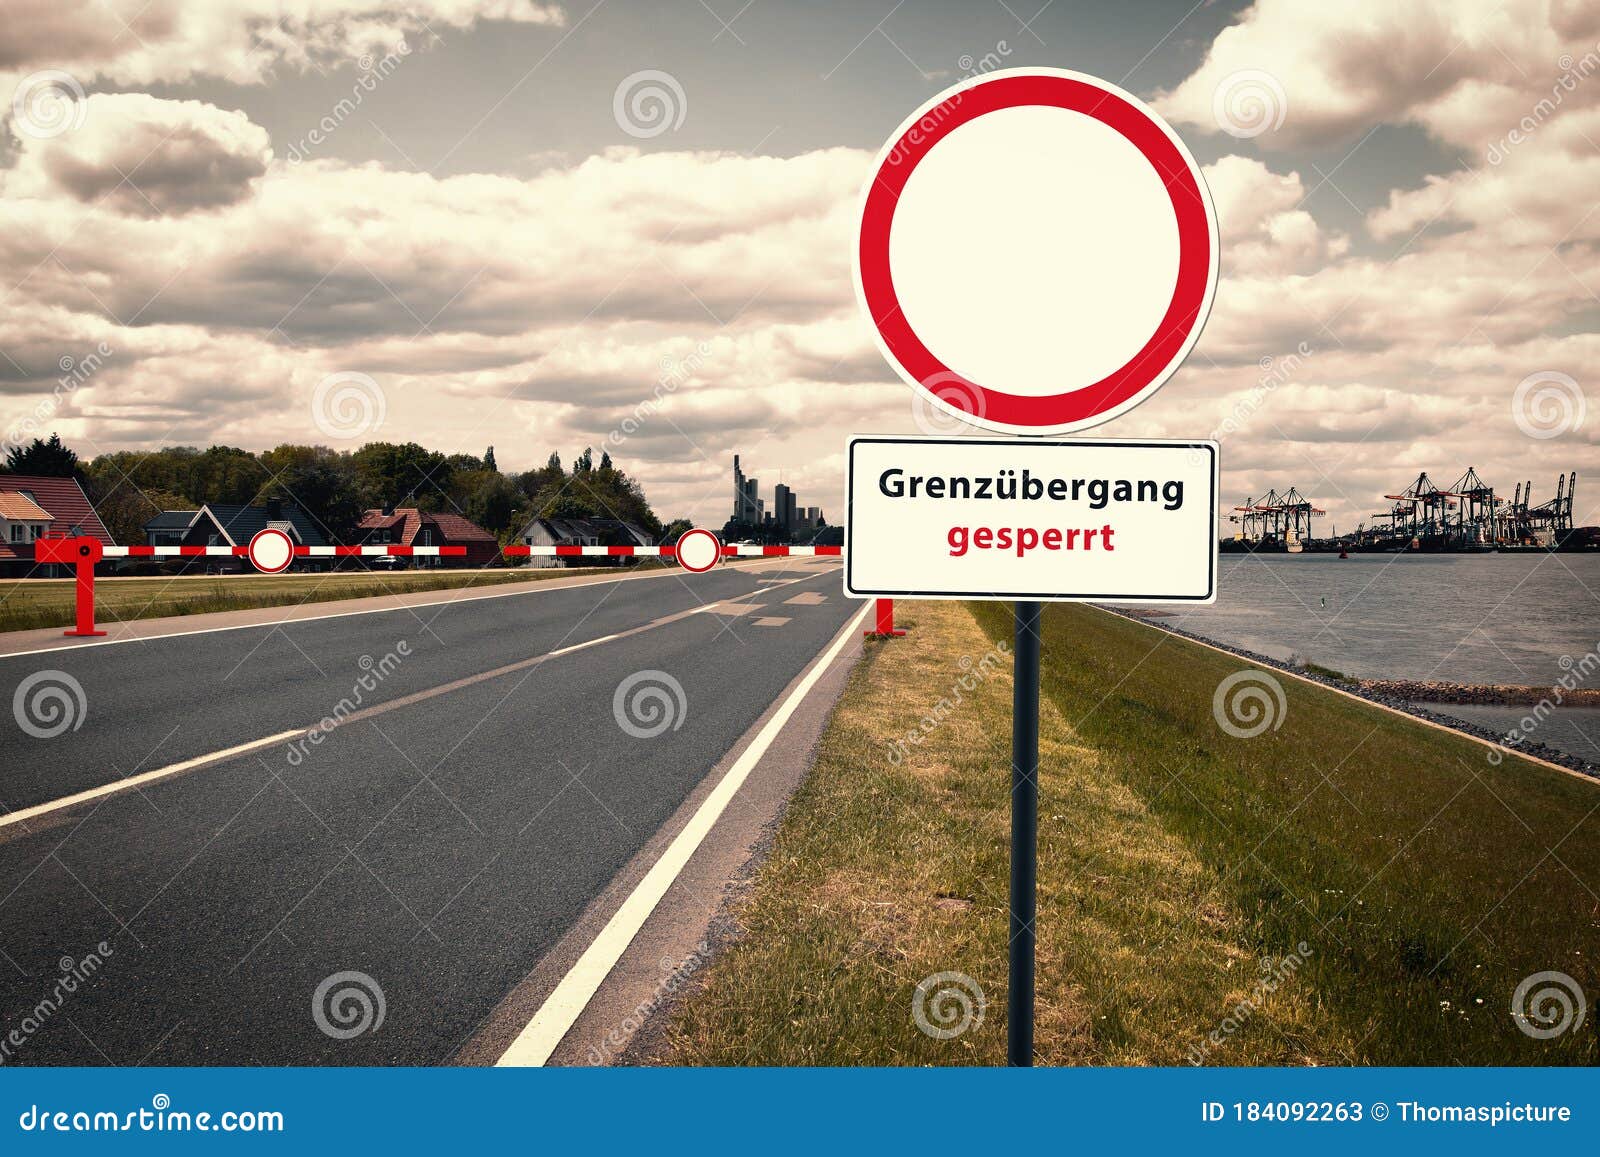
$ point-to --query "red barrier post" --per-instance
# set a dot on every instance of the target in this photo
(81, 554)
(885, 628)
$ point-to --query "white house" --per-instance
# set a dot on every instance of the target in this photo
(580, 532)
(22, 519)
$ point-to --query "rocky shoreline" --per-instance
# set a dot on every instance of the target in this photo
(1491, 694)
(1405, 694)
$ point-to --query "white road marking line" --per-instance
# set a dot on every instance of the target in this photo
(143, 778)
(580, 646)
(199, 761)
(531, 587)
(571, 996)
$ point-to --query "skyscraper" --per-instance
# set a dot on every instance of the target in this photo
(747, 505)
(783, 507)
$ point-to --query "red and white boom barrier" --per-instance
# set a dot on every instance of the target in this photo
(515, 551)
(272, 551)
(299, 551)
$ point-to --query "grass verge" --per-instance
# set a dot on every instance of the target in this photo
(29, 603)
(1350, 888)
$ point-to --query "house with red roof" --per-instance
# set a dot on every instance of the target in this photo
(34, 504)
(408, 526)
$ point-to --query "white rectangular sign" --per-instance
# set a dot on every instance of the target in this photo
(1023, 518)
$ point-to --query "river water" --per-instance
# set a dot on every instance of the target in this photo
(1462, 618)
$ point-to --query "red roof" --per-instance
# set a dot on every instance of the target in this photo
(454, 528)
(66, 502)
(406, 521)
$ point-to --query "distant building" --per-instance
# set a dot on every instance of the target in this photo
(747, 505)
(233, 524)
(783, 508)
(32, 505)
(581, 532)
(786, 517)
(408, 526)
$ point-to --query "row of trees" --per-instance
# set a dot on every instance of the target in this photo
(334, 486)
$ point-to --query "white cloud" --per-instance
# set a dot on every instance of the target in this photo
(143, 42)
(1461, 71)
(1264, 229)
(182, 156)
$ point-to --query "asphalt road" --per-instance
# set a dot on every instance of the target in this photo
(439, 840)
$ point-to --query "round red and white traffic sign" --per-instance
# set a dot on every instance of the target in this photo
(699, 550)
(1038, 251)
(271, 551)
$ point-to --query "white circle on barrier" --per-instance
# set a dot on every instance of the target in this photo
(271, 551)
(699, 550)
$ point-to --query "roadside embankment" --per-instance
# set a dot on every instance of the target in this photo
(1292, 877)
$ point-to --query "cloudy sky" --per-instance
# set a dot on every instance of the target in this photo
(467, 222)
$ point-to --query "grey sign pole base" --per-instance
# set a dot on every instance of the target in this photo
(1024, 833)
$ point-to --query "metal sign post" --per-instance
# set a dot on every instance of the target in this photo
(1101, 254)
(1024, 832)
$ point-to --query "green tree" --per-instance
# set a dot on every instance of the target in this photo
(402, 474)
(532, 482)
(493, 504)
(126, 509)
(587, 493)
(218, 474)
(323, 482)
(50, 458)
(488, 460)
